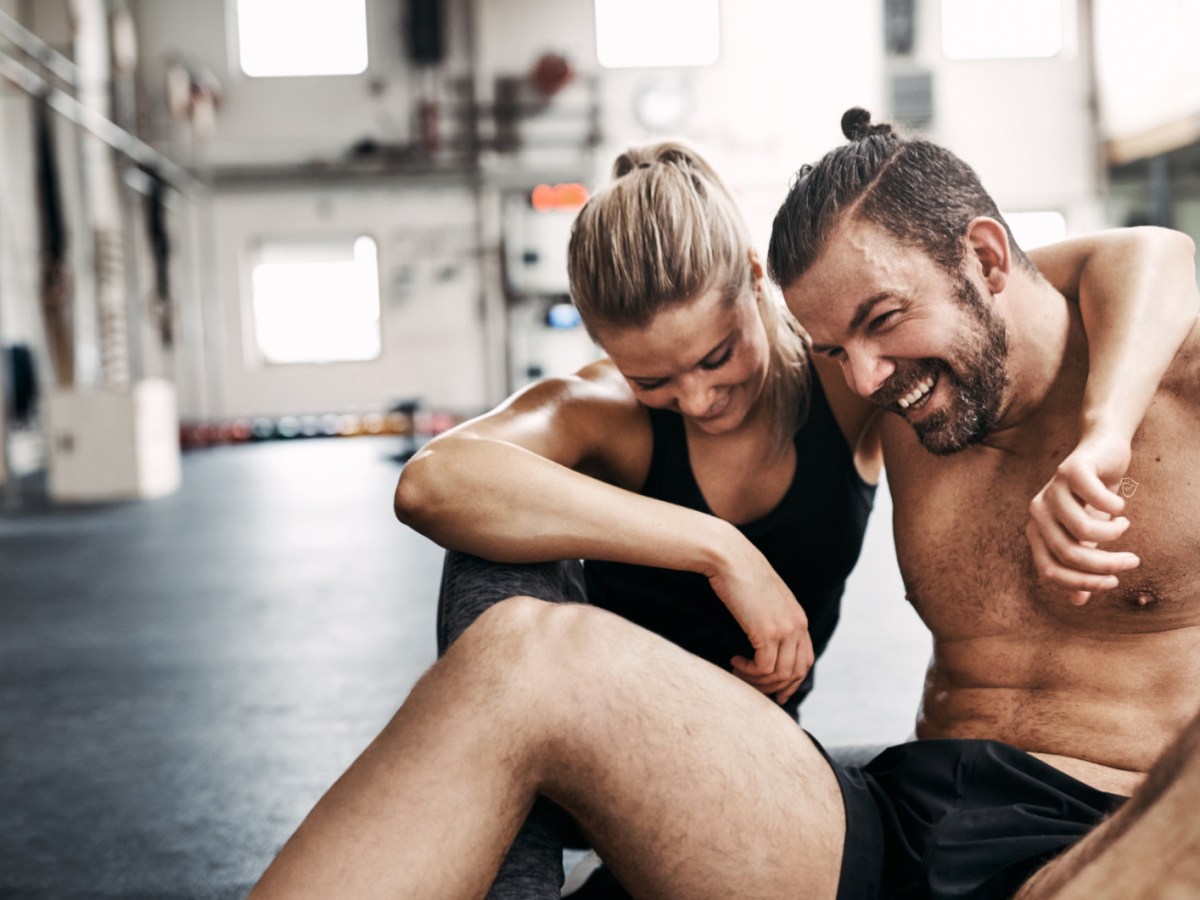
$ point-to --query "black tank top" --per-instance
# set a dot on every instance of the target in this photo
(812, 539)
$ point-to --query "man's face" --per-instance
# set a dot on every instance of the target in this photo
(921, 342)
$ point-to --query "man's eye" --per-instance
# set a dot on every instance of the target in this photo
(718, 362)
(879, 321)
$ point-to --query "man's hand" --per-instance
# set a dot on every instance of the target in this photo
(1078, 510)
(773, 620)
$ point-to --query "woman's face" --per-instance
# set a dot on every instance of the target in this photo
(706, 359)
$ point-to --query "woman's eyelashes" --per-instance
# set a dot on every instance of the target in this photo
(653, 384)
(711, 364)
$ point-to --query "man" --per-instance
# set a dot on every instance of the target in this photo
(900, 267)
(933, 313)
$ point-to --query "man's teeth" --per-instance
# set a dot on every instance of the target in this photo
(916, 393)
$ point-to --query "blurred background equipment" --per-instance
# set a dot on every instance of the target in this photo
(19, 379)
(54, 273)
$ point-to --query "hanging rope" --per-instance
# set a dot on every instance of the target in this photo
(54, 276)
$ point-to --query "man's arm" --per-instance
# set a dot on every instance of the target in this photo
(1138, 299)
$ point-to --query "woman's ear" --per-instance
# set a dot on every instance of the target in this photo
(756, 268)
(987, 242)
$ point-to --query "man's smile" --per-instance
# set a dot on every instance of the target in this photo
(911, 400)
(918, 395)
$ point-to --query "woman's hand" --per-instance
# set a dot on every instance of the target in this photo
(1138, 300)
(773, 620)
(1078, 510)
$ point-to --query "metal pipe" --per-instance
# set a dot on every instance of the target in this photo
(99, 126)
(25, 40)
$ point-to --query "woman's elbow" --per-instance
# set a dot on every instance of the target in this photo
(1183, 255)
(1168, 241)
(415, 500)
(1183, 242)
(1189, 244)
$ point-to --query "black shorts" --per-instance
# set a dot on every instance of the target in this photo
(940, 819)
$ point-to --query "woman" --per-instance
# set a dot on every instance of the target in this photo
(707, 376)
(714, 477)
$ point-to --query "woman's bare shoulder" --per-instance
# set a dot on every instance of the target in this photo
(590, 420)
(620, 425)
(597, 389)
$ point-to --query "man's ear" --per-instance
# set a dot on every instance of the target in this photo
(987, 242)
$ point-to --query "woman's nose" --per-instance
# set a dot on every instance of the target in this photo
(695, 397)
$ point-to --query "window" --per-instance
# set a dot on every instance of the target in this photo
(657, 32)
(316, 301)
(1147, 74)
(302, 37)
(985, 29)
(1033, 229)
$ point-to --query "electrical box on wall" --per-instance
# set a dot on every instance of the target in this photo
(545, 340)
(544, 334)
(537, 230)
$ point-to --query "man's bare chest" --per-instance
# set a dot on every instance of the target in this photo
(960, 535)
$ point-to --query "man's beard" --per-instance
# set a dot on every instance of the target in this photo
(977, 383)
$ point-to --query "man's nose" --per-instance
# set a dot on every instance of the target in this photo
(866, 372)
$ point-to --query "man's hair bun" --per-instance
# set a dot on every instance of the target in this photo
(856, 124)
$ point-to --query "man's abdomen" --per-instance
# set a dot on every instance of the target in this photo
(1110, 702)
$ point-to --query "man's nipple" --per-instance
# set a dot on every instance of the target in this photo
(1141, 599)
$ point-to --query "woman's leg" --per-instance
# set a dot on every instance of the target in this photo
(533, 869)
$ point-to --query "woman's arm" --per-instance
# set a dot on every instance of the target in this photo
(503, 486)
(1138, 299)
(511, 486)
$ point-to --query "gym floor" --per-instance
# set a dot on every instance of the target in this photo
(181, 679)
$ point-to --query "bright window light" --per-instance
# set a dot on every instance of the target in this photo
(1147, 68)
(302, 37)
(1033, 229)
(316, 302)
(657, 32)
(985, 29)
